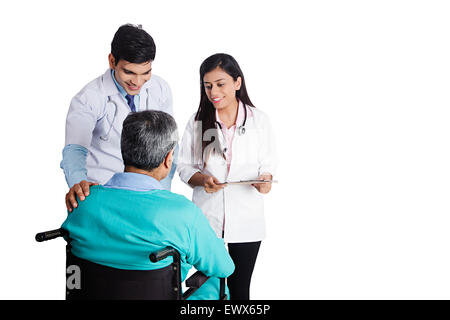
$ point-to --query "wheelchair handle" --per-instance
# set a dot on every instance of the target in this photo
(164, 253)
(49, 235)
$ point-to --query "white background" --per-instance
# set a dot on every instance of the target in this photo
(358, 94)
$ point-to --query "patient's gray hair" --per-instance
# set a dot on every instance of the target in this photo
(147, 138)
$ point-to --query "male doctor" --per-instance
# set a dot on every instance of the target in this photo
(94, 121)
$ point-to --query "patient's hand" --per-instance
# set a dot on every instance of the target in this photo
(78, 189)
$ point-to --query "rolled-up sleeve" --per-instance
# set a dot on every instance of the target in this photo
(84, 111)
(74, 163)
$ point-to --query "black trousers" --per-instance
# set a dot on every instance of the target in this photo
(244, 258)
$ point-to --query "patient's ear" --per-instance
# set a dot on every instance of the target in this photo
(169, 158)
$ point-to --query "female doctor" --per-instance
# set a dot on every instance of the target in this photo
(229, 140)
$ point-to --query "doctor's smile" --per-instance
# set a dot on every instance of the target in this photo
(133, 87)
(131, 76)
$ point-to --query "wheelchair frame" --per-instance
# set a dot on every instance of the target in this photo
(193, 283)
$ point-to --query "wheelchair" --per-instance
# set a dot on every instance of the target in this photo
(86, 280)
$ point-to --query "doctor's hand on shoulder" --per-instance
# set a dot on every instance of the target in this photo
(78, 189)
(210, 183)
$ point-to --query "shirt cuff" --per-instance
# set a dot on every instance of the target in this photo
(186, 173)
(74, 163)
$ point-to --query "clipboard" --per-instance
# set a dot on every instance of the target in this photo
(249, 181)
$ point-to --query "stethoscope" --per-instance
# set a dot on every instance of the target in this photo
(116, 110)
(240, 130)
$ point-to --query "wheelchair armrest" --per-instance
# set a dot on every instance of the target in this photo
(196, 280)
(164, 253)
(49, 235)
(193, 282)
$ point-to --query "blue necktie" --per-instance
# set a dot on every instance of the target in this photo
(130, 100)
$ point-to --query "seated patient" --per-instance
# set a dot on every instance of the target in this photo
(131, 216)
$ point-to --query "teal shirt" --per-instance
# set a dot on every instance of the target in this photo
(119, 228)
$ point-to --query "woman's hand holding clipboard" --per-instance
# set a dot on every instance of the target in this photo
(263, 184)
(252, 182)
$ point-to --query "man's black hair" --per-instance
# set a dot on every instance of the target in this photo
(133, 44)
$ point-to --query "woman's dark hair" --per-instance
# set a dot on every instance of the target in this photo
(133, 44)
(206, 112)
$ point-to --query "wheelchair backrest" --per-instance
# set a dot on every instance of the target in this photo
(86, 280)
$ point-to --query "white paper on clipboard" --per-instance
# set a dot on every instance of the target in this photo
(249, 181)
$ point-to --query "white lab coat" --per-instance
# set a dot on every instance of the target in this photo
(95, 119)
(238, 210)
